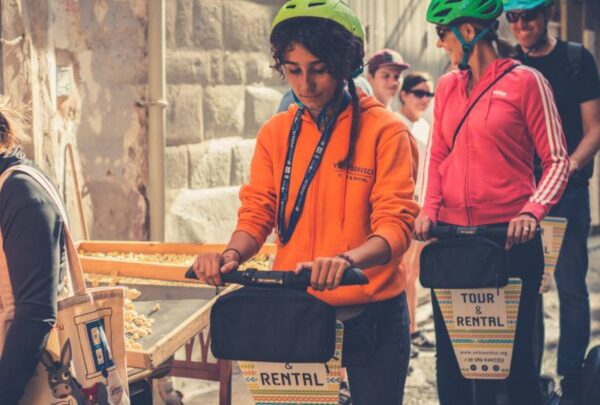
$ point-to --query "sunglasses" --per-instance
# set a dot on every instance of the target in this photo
(420, 93)
(527, 15)
(441, 31)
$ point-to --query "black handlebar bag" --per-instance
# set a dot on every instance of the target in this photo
(272, 325)
(463, 263)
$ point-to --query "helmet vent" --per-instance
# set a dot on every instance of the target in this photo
(442, 13)
(290, 6)
(316, 3)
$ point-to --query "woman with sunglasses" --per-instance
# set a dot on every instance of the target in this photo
(415, 98)
(489, 119)
(334, 176)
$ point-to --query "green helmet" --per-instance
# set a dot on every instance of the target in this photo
(444, 12)
(334, 10)
(525, 4)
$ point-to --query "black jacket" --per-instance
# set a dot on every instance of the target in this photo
(32, 232)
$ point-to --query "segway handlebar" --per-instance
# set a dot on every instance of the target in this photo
(282, 279)
(448, 231)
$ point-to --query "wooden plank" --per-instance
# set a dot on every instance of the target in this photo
(139, 359)
(166, 272)
(157, 247)
(147, 247)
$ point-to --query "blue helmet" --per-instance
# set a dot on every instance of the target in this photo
(525, 4)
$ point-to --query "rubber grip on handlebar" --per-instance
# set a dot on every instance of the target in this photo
(284, 279)
(445, 231)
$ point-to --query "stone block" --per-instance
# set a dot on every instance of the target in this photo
(234, 68)
(176, 167)
(171, 24)
(261, 104)
(223, 111)
(188, 67)
(208, 24)
(210, 163)
(184, 23)
(203, 216)
(240, 161)
(258, 69)
(184, 114)
(247, 25)
(216, 68)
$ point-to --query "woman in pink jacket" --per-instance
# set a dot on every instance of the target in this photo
(490, 117)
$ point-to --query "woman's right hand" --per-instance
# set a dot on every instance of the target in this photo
(422, 227)
(209, 266)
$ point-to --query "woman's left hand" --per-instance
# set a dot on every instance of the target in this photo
(326, 272)
(521, 229)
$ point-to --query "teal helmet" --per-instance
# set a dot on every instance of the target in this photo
(445, 12)
(333, 10)
(525, 4)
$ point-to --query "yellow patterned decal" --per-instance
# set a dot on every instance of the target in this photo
(481, 324)
(286, 384)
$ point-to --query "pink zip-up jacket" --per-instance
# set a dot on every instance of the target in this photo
(488, 177)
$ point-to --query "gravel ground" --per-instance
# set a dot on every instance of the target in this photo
(420, 385)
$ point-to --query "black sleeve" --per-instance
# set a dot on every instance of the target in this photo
(589, 81)
(32, 232)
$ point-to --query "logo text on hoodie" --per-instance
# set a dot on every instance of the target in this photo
(356, 173)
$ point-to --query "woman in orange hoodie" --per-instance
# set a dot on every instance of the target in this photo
(334, 175)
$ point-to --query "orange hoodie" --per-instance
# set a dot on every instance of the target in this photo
(343, 207)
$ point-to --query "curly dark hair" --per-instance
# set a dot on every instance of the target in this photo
(335, 46)
(340, 51)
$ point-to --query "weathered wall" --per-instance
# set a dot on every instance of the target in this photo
(82, 68)
(401, 25)
(220, 91)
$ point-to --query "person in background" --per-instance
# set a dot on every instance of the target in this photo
(334, 175)
(33, 262)
(384, 73)
(573, 76)
(415, 98)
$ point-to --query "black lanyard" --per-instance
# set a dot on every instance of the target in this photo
(283, 232)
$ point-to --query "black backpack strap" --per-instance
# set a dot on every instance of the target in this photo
(462, 121)
(575, 51)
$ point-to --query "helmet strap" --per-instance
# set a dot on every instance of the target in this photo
(297, 100)
(467, 46)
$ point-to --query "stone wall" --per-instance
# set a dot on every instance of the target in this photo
(81, 67)
(220, 91)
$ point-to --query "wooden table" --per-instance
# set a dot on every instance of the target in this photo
(183, 317)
